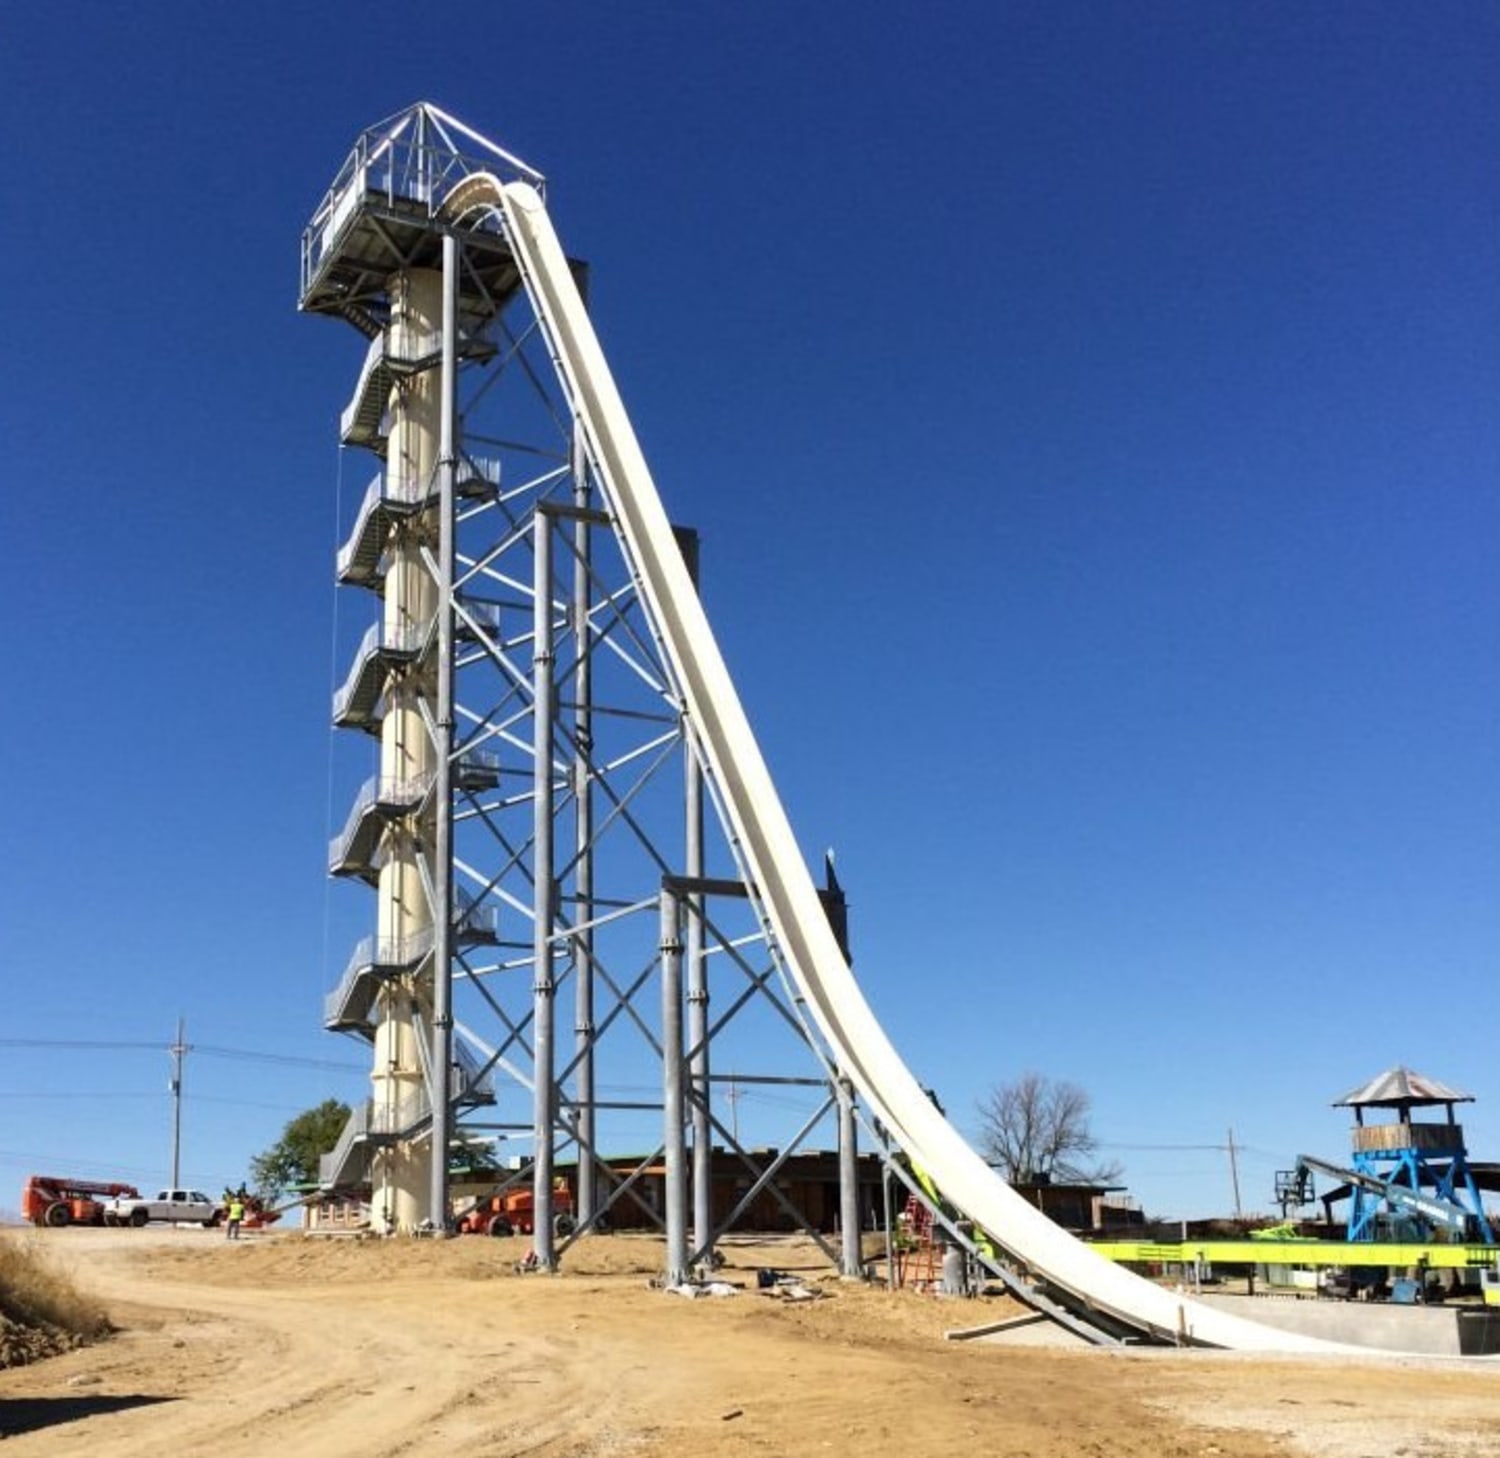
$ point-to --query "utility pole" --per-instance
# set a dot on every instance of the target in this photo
(733, 1098)
(1234, 1175)
(177, 1050)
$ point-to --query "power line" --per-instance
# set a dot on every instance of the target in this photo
(74, 1043)
(1193, 1148)
(1175, 1148)
(246, 1104)
(289, 1060)
(111, 1095)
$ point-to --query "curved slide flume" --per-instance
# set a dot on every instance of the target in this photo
(859, 1045)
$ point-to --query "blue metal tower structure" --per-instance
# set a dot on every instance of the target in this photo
(1411, 1168)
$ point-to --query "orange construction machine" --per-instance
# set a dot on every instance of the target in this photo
(513, 1213)
(56, 1200)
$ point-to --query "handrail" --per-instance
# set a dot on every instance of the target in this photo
(478, 468)
(355, 1129)
(375, 359)
(376, 951)
(385, 491)
(405, 639)
(408, 157)
(394, 791)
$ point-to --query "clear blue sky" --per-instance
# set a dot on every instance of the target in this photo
(1090, 415)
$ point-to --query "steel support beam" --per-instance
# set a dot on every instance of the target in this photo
(851, 1264)
(583, 876)
(544, 900)
(699, 1070)
(441, 1059)
(697, 978)
(674, 1138)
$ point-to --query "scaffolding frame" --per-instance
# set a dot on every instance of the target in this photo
(558, 804)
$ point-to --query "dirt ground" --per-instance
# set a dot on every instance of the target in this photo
(378, 1349)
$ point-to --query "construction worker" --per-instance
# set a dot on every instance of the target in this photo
(236, 1214)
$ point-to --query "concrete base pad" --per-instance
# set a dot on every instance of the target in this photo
(1442, 1331)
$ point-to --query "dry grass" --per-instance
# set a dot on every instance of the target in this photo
(41, 1310)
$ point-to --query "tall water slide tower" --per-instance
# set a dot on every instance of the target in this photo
(533, 826)
(550, 720)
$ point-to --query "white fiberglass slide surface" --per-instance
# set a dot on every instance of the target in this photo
(858, 1044)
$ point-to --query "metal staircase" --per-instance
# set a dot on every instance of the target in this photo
(363, 420)
(388, 360)
(388, 501)
(357, 703)
(347, 1008)
(354, 851)
(373, 1126)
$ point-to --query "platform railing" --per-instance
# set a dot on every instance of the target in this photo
(401, 794)
(388, 489)
(371, 954)
(476, 920)
(375, 360)
(1433, 1137)
(406, 638)
(331, 1165)
(404, 159)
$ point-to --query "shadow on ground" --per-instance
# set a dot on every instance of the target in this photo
(28, 1414)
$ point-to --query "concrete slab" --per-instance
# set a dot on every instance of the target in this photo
(1440, 1331)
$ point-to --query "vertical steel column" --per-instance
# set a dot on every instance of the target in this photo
(851, 1261)
(544, 902)
(885, 1206)
(697, 999)
(697, 980)
(674, 1133)
(583, 799)
(441, 1060)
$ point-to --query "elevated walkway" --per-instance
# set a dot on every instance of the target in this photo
(476, 771)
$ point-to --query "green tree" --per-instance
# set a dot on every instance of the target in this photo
(1036, 1128)
(293, 1159)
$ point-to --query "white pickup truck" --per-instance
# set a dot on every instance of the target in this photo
(173, 1205)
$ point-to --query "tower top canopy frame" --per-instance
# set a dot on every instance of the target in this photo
(1401, 1088)
(384, 203)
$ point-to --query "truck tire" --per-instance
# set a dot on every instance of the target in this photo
(139, 1216)
(498, 1226)
(57, 1214)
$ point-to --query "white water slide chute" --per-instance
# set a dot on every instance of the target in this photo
(761, 834)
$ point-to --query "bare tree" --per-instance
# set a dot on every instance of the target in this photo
(1037, 1128)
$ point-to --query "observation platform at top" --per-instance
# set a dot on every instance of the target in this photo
(383, 216)
(1401, 1090)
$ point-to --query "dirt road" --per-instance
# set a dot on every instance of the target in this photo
(416, 1348)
